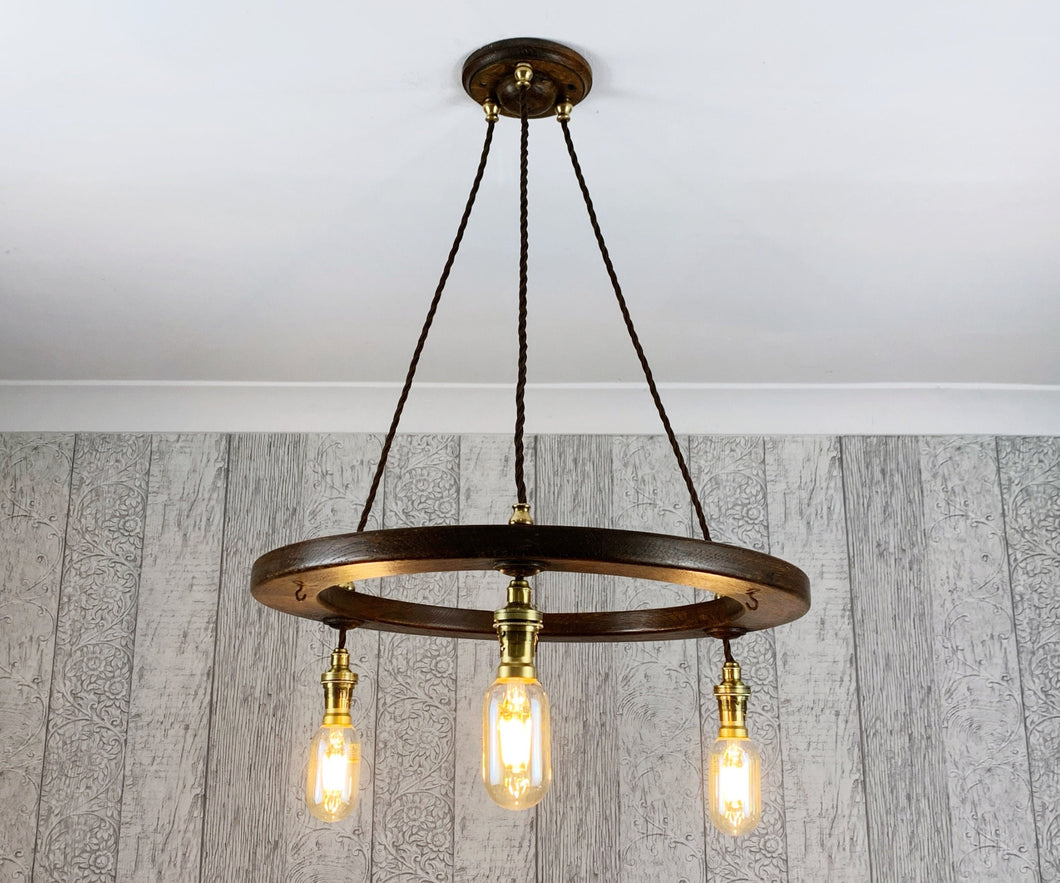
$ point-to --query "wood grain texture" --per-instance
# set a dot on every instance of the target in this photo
(948, 637)
(338, 472)
(579, 820)
(244, 836)
(824, 793)
(416, 706)
(165, 755)
(905, 770)
(660, 785)
(729, 472)
(992, 820)
(491, 843)
(1030, 483)
(80, 805)
(34, 498)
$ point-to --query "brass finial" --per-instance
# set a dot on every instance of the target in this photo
(492, 110)
(523, 74)
(521, 514)
(563, 110)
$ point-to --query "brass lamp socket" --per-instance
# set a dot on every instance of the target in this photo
(517, 625)
(732, 695)
(338, 682)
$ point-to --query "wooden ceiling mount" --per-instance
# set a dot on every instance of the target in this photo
(560, 74)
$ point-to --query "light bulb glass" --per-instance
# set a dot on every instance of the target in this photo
(516, 757)
(334, 772)
(734, 786)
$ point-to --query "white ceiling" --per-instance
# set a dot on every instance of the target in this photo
(792, 192)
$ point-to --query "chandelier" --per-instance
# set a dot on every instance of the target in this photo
(744, 590)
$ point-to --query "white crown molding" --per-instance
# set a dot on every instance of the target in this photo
(621, 408)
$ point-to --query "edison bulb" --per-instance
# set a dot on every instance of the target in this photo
(516, 757)
(734, 786)
(334, 772)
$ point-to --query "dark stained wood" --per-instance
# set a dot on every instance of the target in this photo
(293, 578)
(659, 624)
(560, 74)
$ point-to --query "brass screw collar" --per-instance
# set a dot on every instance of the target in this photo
(732, 695)
(517, 625)
(338, 682)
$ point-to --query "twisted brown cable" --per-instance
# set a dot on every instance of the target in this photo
(385, 453)
(685, 474)
(524, 250)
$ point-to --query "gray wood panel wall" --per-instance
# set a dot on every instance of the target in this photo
(154, 720)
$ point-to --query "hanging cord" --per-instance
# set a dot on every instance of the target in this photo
(728, 650)
(342, 638)
(524, 249)
(633, 334)
(426, 328)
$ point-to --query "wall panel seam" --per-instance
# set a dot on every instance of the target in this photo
(213, 657)
(456, 660)
(857, 668)
(55, 644)
(132, 632)
(692, 519)
(776, 672)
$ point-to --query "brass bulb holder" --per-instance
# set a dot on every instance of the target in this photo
(732, 695)
(338, 682)
(517, 624)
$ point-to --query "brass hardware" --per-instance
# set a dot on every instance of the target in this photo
(338, 682)
(523, 74)
(517, 624)
(521, 514)
(492, 110)
(732, 695)
(563, 110)
(560, 74)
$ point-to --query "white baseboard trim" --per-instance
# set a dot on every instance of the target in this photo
(849, 409)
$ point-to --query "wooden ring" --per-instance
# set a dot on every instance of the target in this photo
(308, 579)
